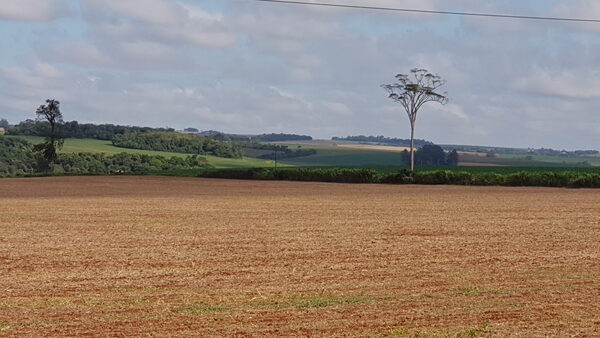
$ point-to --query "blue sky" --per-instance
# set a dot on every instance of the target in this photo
(241, 66)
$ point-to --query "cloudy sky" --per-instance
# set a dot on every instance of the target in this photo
(242, 66)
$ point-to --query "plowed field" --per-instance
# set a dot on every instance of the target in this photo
(131, 256)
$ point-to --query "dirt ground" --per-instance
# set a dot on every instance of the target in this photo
(158, 256)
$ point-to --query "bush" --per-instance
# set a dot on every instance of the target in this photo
(340, 175)
(585, 181)
(405, 176)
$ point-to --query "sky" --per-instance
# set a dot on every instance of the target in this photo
(241, 66)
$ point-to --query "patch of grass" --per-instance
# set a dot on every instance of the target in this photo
(471, 290)
(52, 302)
(286, 302)
(203, 308)
(396, 331)
(328, 301)
(468, 332)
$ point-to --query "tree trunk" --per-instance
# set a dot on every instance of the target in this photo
(412, 146)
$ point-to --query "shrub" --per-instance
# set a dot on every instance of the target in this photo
(585, 181)
(356, 175)
(341, 175)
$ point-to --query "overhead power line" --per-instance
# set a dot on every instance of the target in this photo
(424, 11)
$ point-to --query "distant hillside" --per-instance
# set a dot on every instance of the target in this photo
(382, 140)
(522, 151)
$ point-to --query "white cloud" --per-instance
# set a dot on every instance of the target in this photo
(158, 12)
(562, 83)
(245, 67)
(580, 9)
(35, 10)
(168, 22)
(454, 110)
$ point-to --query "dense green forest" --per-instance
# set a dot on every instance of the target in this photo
(178, 143)
(73, 129)
(18, 158)
(383, 140)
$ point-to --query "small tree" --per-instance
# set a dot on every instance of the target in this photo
(48, 149)
(452, 158)
(412, 92)
(4, 123)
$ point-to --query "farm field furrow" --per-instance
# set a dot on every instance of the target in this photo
(165, 256)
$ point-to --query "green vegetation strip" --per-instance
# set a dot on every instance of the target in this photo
(102, 146)
(567, 177)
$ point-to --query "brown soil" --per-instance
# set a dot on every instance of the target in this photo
(132, 256)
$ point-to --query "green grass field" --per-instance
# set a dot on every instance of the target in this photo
(342, 156)
(387, 161)
(99, 146)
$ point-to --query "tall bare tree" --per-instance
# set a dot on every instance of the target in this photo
(412, 91)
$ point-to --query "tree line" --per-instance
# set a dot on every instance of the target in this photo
(492, 151)
(281, 137)
(570, 179)
(177, 143)
(18, 158)
(74, 129)
(382, 140)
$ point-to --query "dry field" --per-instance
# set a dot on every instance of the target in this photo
(132, 256)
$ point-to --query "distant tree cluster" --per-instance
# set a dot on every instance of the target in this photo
(281, 137)
(382, 140)
(4, 123)
(17, 158)
(74, 129)
(178, 143)
(431, 155)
